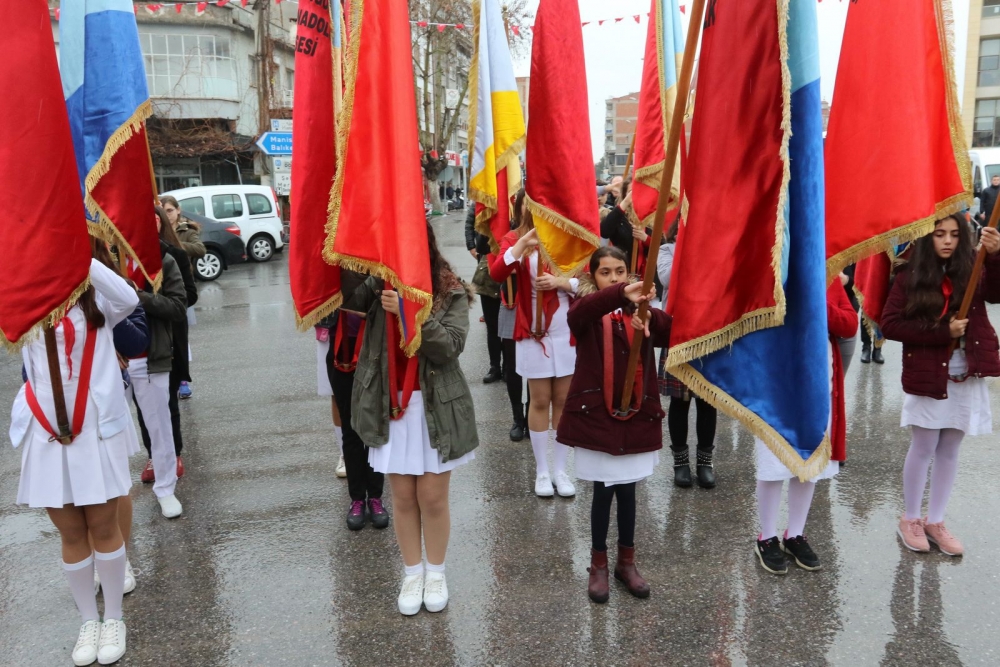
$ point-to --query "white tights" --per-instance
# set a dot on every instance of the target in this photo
(942, 446)
(800, 495)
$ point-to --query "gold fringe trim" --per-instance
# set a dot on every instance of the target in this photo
(867, 322)
(349, 262)
(887, 241)
(491, 204)
(105, 228)
(50, 320)
(569, 227)
(311, 319)
(804, 470)
(771, 316)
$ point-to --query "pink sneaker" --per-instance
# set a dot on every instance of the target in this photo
(945, 541)
(912, 532)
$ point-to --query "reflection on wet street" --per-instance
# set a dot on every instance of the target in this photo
(261, 569)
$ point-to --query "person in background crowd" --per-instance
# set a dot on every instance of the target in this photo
(988, 199)
(945, 363)
(189, 235)
(489, 295)
(80, 483)
(849, 345)
(681, 398)
(450, 191)
(612, 452)
(324, 330)
(434, 433)
(622, 234)
(151, 375)
(179, 370)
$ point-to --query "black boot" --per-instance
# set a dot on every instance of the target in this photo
(520, 428)
(682, 468)
(877, 356)
(493, 376)
(866, 354)
(706, 473)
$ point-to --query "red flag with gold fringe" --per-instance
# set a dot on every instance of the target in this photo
(44, 224)
(376, 222)
(560, 168)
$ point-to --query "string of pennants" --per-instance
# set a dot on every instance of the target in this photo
(201, 6)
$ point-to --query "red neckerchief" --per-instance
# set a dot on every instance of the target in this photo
(397, 408)
(608, 323)
(338, 341)
(82, 391)
(946, 290)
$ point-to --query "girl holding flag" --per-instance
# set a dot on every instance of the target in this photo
(545, 352)
(613, 451)
(416, 437)
(945, 361)
(81, 481)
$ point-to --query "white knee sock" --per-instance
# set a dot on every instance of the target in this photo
(560, 454)
(943, 474)
(111, 568)
(339, 431)
(81, 583)
(540, 446)
(768, 504)
(413, 570)
(430, 567)
(800, 497)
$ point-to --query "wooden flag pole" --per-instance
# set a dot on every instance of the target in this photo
(977, 270)
(666, 178)
(55, 377)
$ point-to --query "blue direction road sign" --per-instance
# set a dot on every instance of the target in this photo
(276, 143)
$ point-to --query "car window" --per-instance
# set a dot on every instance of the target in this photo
(258, 204)
(194, 205)
(227, 206)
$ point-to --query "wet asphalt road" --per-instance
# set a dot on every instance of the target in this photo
(261, 569)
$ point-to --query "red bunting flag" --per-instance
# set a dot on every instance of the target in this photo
(560, 167)
(377, 220)
(516, 30)
(178, 7)
(43, 217)
(200, 8)
(911, 65)
(315, 284)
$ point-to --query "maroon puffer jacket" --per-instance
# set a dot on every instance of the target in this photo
(926, 348)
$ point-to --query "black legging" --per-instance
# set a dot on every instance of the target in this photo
(491, 314)
(600, 514)
(175, 417)
(677, 423)
(514, 383)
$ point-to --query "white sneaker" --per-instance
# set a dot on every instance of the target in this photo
(129, 577)
(435, 591)
(412, 594)
(564, 486)
(170, 506)
(85, 651)
(543, 486)
(112, 645)
(341, 470)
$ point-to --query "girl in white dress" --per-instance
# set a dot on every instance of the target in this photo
(945, 361)
(80, 483)
(545, 352)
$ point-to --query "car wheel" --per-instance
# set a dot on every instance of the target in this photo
(210, 266)
(261, 248)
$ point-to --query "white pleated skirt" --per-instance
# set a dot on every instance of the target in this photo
(966, 409)
(409, 450)
(550, 357)
(323, 387)
(770, 469)
(90, 471)
(603, 467)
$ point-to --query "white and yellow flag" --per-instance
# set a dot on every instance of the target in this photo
(498, 129)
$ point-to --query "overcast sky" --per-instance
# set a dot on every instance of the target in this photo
(614, 51)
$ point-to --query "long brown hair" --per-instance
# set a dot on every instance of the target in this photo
(925, 301)
(525, 221)
(167, 232)
(441, 272)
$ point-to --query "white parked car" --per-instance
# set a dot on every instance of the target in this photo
(253, 208)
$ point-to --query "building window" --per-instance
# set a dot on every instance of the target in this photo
(620, 160)
(984, 128)
(991, 9)
(189, 66)
(989, 62)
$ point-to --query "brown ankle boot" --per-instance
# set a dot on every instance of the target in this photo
(626, 573)
(597, 587)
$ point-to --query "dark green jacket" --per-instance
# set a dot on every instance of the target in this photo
(451, 418)
(163, 308)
